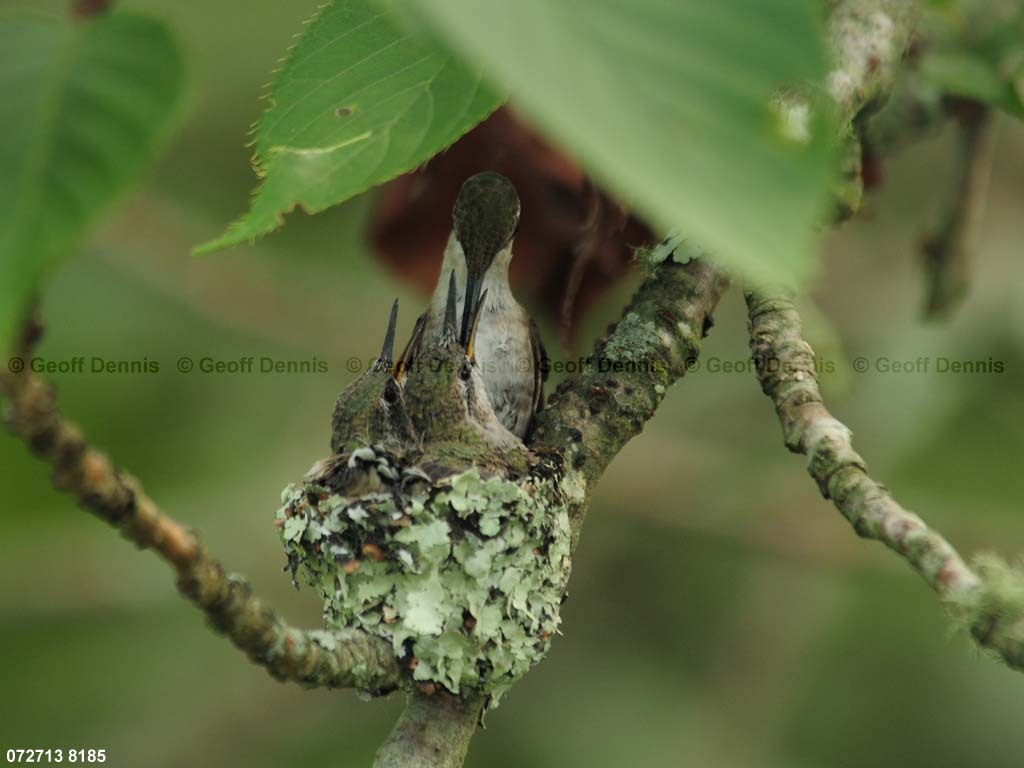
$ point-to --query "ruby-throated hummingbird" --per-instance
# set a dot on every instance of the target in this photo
(509, 355)
(372, 408)
(446, 396)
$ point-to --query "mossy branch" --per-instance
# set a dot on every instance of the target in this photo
(309, 657)
(867, 40)
(988, 599)
(593, 414)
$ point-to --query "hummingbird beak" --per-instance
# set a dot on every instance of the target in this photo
(401, 368)
(471, 340)
(449, 329)
(387, 351)
(474, 282)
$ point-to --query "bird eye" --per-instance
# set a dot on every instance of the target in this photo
(390, 396)
(464, 371)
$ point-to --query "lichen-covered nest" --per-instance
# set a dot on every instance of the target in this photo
(463, 574)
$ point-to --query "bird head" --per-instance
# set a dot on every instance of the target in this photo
(442, 384)
(372, 408)
(484, 221)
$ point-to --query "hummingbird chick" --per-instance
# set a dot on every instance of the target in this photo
(372, 408)
(447, 398)
(508, 352)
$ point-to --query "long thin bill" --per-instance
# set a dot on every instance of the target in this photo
(450, 324)
(387, 351)
(469, 305)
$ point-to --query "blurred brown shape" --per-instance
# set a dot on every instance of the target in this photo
(84, 9)
(574, 241)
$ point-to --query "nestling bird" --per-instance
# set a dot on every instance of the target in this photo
(508, 352)
(447, 399)
(372, 408)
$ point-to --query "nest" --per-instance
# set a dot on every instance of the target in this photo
(463, 574)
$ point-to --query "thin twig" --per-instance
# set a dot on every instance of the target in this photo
(314, 658)
(989, 599)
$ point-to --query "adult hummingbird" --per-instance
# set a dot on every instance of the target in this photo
(372, 408)
(509, 355)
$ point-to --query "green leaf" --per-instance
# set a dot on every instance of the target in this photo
(358, 101)
(83, 107)
(965, 74)
(977, 52)
(670, 103)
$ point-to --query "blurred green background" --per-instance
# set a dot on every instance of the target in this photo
(721, 613)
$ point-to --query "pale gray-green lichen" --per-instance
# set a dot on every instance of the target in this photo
(680, 249)
(463, 576)
(793, 117)
(632, 340)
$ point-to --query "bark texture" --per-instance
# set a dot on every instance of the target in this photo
(433, 732)
(988, 599)
(309, 657)
(592, 415)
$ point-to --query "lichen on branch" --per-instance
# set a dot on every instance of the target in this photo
(593, 414)
(463, 576)
(988, 599)
(314, 658)
(867, 40)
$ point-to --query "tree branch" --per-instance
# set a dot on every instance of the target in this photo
(867, 40)
(314, 658)
(434, 731)
(592, 415)
(988, 599)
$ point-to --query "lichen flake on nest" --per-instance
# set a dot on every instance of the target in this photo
(464, 576)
